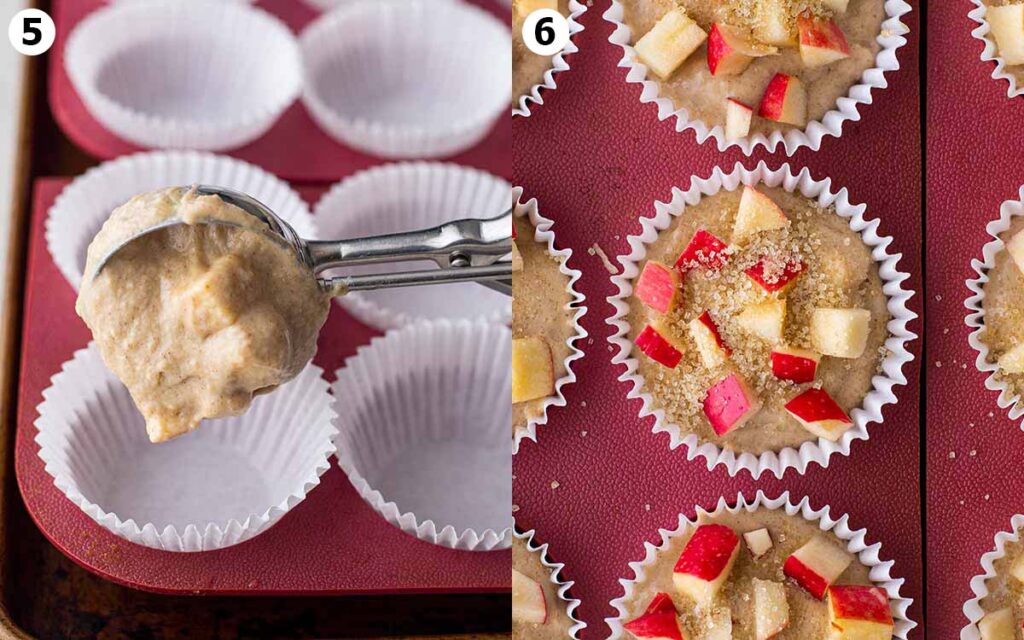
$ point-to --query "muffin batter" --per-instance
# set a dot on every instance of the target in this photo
(197, 318)
(1004, 590)
(1015, 70)
(840, 273)
(558, 623)
(692, 87)
(528, 68)
(540, 308)
(1004, 309)
(808, 617)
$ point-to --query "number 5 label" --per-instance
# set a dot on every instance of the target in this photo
(31, 32)
(545, 32)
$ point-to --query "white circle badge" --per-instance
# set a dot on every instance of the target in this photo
(31, 32)
(545, 32)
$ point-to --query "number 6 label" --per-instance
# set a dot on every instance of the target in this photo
(545, 32)
(31, 32)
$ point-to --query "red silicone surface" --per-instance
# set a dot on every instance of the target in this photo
(597, 160)
(294, 149)
(331, 543)
(974, 449)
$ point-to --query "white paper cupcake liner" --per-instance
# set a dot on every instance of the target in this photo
(564, 587)
(187, 75)
(543, 233)
(85, 204)
(976, 304)
(407, 78)
(226, 482)
(990, 53)
(880, 572)
(891, 38)
(820, 451)
(407, 197)
(423, 435)
(558, 64)
(979, 584)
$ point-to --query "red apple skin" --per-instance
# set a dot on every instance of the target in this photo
(821, 33)
(860, 603)
(707, 553)
(659, 622)
(726, 404)
(791, 271)
(657, 348)
(787, 366)
(805, 577)
(816, 405)
(774, 98)
(658, 287)
(723, 56)
(709, 322)
(704, 251)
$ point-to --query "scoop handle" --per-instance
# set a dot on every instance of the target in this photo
(471, 242)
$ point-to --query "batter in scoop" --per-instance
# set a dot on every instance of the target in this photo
(198, 318)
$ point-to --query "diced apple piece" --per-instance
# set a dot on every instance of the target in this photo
(219, 296)
(821, 41)
(738, 117)
(1007, 23)
(1013, 360)
(669, 43)
(838, 6)
(706, 561)
(775, 274)
(775, 23)
(658, 287)
(528, 602)
(794, 364)
(659, 622)
(713, 350)
(533, 370)
(784, 100)
(759, 542)
(1017, 570)
(730, 50)
(764, 320)
(998, 625)
(705, 251)
(771, 609)
(1015, 247)
(817, 412)
(816, 565)
(517, 259)
(719, 625)
(730, 403)
(840, 333)
(757, 213)
(859, 613)
(658, 344)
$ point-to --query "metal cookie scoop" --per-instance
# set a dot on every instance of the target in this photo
(468, 250)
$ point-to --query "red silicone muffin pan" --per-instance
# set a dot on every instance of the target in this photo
(294, 149)
(974, 449)
(598, 483)
(331, 543)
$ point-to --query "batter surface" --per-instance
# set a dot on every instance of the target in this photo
(808, 616)
(558, 623)
(1004, 309)
(693, 88)
(198, 318)
(840, 273)
(540, 308)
